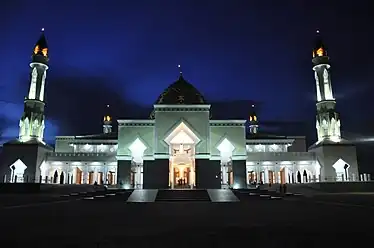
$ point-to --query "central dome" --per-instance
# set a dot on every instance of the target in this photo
(180, 92)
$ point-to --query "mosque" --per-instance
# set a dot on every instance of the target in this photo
(179, 146)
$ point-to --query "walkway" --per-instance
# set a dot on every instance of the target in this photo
(143, 195)
(222, 195)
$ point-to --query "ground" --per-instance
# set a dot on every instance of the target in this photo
(321, 221)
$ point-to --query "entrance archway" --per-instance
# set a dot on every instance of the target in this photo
(182, 176)
(182, 142)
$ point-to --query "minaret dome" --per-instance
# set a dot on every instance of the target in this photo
(319, 49)
(107, 122)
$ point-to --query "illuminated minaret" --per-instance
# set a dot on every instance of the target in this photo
(328, 121)
(31, 125)
(253, 124)
(107, 123)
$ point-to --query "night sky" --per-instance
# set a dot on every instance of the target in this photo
(125, 53)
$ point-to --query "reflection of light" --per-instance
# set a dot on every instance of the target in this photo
(364, 140)
(320, 52)
(126, 186)
(236, 186)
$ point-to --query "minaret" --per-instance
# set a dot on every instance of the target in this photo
(31, 125)
(253, 124)
(107, 123)
(328, 121)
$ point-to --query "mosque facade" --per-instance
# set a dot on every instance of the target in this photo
(180, 145)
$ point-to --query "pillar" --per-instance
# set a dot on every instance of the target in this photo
(124, 173)
(239, 171)
(266, 175)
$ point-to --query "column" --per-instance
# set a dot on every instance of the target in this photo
(266, 175)
(286, 174)
(85, 174)
(105, 173)
(171, 175)
(277, 173)
(239, 169)
(191, 177)
(224, 174)
(124, 173)
(67, 174)
(96, 174)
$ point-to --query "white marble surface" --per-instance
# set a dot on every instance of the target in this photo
(143, 195)
(222, 195)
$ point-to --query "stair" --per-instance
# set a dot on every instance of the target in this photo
(182, 195)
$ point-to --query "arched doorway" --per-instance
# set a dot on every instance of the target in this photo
(110, 178)
(305, 177)
(62, 177)
(182, 141)
(251, 177)
(55, 177)
(298, 177)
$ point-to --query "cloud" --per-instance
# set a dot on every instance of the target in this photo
(77, 102)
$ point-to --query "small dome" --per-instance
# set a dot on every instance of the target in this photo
(180, 92)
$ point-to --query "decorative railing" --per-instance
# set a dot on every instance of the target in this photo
(280, 156)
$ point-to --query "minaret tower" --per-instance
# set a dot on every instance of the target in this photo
(328, 120)
(253, 124)
(31, 125)
(107, 123)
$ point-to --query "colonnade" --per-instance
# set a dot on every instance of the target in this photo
(74, 173)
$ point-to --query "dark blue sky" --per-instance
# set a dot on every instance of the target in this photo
(126, 53)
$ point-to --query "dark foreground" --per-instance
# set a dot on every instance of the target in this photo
(111, 222)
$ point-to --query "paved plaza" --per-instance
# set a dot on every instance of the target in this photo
(111, 221)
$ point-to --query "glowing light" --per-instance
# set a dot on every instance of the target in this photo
(185, 137)
(45, 52)
(137, 149)
(226, 146)
(42, 29)
(182, 138)
(36, 49)
(320, 52)
(317, 31)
